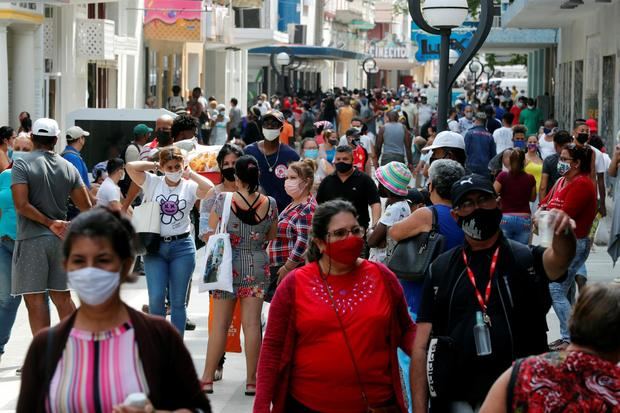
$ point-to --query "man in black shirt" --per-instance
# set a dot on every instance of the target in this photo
(506, 282)
(351, 185)
(550, 173)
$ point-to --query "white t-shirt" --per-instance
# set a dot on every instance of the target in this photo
(546, 148)
(599, 163)
(392, 214)
(108, 192)
(503, 139)
(175, 203)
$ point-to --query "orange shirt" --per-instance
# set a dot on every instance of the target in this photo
(287, 133)
(345, 116)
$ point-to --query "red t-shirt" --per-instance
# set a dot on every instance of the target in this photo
(516, 192)
(360, 156)
(515, 110)
(577, 199)
(322, 375)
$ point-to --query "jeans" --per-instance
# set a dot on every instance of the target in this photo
(8, 304)
(559, 290)
(170, 270)
(517, 228)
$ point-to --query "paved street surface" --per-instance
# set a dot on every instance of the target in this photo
(229, 394)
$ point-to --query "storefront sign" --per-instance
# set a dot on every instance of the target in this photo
(428, 45)
(389, 48)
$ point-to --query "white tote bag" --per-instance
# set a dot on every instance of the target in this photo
(218, 269)
(147, 222)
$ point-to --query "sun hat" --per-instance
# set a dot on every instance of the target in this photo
(395, 176)
(446, 139)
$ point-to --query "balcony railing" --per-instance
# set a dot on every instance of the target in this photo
(95, 39)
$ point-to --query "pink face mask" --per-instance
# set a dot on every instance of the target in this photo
(293, 187)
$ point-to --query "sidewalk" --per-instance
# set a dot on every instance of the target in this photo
(229, 394)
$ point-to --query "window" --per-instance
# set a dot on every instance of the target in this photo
(96, 10)
(247, 18)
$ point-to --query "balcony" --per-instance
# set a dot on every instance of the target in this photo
(21, 12)
(353, 11)
(95, 39)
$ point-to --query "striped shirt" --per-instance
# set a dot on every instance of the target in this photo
(97, 371)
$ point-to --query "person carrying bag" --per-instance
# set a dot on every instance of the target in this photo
(218, 270)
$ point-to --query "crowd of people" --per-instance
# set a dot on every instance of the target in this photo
(317, 194)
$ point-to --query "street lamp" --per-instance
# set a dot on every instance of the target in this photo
(369, 66)
(440, 17)
(280, 59)
(478, 69)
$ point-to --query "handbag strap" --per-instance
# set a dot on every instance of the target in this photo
(345, 336)
(225, 213)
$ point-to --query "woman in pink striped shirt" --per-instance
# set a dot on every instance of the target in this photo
(105, 351)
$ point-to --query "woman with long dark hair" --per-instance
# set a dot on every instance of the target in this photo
(253, 221)
(575, 194)
(517, 189)
(321, 352)
(328, 111)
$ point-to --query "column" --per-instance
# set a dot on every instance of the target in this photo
(23, 73)
(4, 78)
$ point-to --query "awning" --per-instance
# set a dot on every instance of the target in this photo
(317, 52)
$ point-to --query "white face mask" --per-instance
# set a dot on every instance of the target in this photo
(174, 176)
(93, 285)
(530, 107)
(271, 134)
(122, 176)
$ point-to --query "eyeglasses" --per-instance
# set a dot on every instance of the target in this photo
(356, 231)
(484, 202)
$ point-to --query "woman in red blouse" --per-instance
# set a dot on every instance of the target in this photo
(287, 251)
(575, 194)
(334, 327)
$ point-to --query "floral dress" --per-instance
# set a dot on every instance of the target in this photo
(565, 382)
(250, 261)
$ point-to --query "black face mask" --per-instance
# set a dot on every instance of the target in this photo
(164, 138)
(228, 174)
(343, 167)
(582, 138)
(481, 224)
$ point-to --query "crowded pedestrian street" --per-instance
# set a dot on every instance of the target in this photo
(309, 206)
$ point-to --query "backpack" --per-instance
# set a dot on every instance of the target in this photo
(125, 183)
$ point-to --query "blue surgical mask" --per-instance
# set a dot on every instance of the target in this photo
(519, 144)
(311, 153)
(15, 155)
(10, 153)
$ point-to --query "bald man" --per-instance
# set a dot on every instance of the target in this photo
(163, 126)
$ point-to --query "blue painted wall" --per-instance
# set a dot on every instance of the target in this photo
(288, 13)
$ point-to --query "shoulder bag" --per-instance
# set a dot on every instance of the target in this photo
(218, 270)
(147, 223)
(412, 256)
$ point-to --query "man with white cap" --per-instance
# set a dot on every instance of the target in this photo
(76, 139)
(41, 183)
(447, 145)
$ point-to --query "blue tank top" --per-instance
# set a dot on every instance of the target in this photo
(448, 227)
(329, 155)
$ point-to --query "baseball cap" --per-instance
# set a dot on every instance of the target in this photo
(481, 116)
(75, 132)
(446, 139)
(352, 132)
(141, 129)
(274, 114)
(221, 106)
(470, 183)
(45, 127)
(415, 196)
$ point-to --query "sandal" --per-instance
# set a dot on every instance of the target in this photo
(219, 373)
(206, 386)
(250, 389)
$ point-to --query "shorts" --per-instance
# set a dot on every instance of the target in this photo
(38, 266)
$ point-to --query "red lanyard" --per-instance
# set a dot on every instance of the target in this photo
(487, 294)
